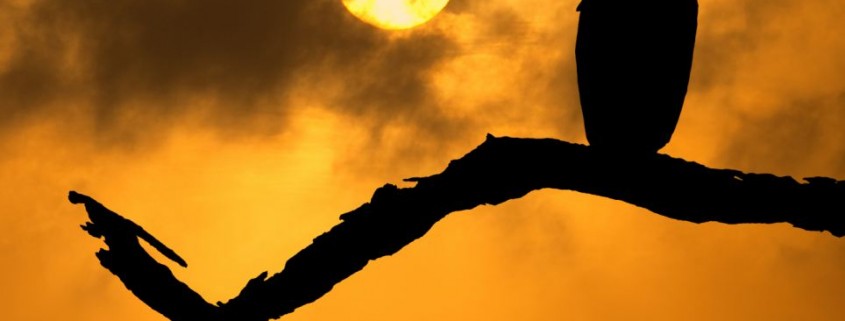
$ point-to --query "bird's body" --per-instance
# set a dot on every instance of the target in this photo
(634, 60)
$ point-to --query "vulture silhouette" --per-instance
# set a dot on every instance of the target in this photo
(634, 60)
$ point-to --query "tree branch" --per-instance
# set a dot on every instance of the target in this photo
(498, 170)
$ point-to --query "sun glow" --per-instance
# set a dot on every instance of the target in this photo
(395, 14)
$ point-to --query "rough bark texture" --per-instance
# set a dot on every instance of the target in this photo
(500, 169)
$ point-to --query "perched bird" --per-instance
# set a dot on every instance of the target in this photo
(634, 60)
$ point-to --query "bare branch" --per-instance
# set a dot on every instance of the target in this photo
(498, 170)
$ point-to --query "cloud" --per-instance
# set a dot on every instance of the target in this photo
(154, 59)
(131, 70)
(769, 76)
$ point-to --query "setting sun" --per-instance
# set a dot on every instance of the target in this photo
(395, 14)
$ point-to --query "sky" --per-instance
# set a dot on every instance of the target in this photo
(236, 132)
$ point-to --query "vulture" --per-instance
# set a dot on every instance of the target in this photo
(633, 61)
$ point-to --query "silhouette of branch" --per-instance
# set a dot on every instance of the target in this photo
(498, 170)
(150, 281)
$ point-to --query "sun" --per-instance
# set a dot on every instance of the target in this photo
(395, 14)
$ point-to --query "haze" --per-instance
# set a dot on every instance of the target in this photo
(237, 132)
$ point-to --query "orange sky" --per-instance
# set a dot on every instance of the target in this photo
(237, 131)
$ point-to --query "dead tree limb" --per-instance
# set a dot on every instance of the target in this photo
(498, 170)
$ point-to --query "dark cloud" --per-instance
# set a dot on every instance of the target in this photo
(152, 57)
